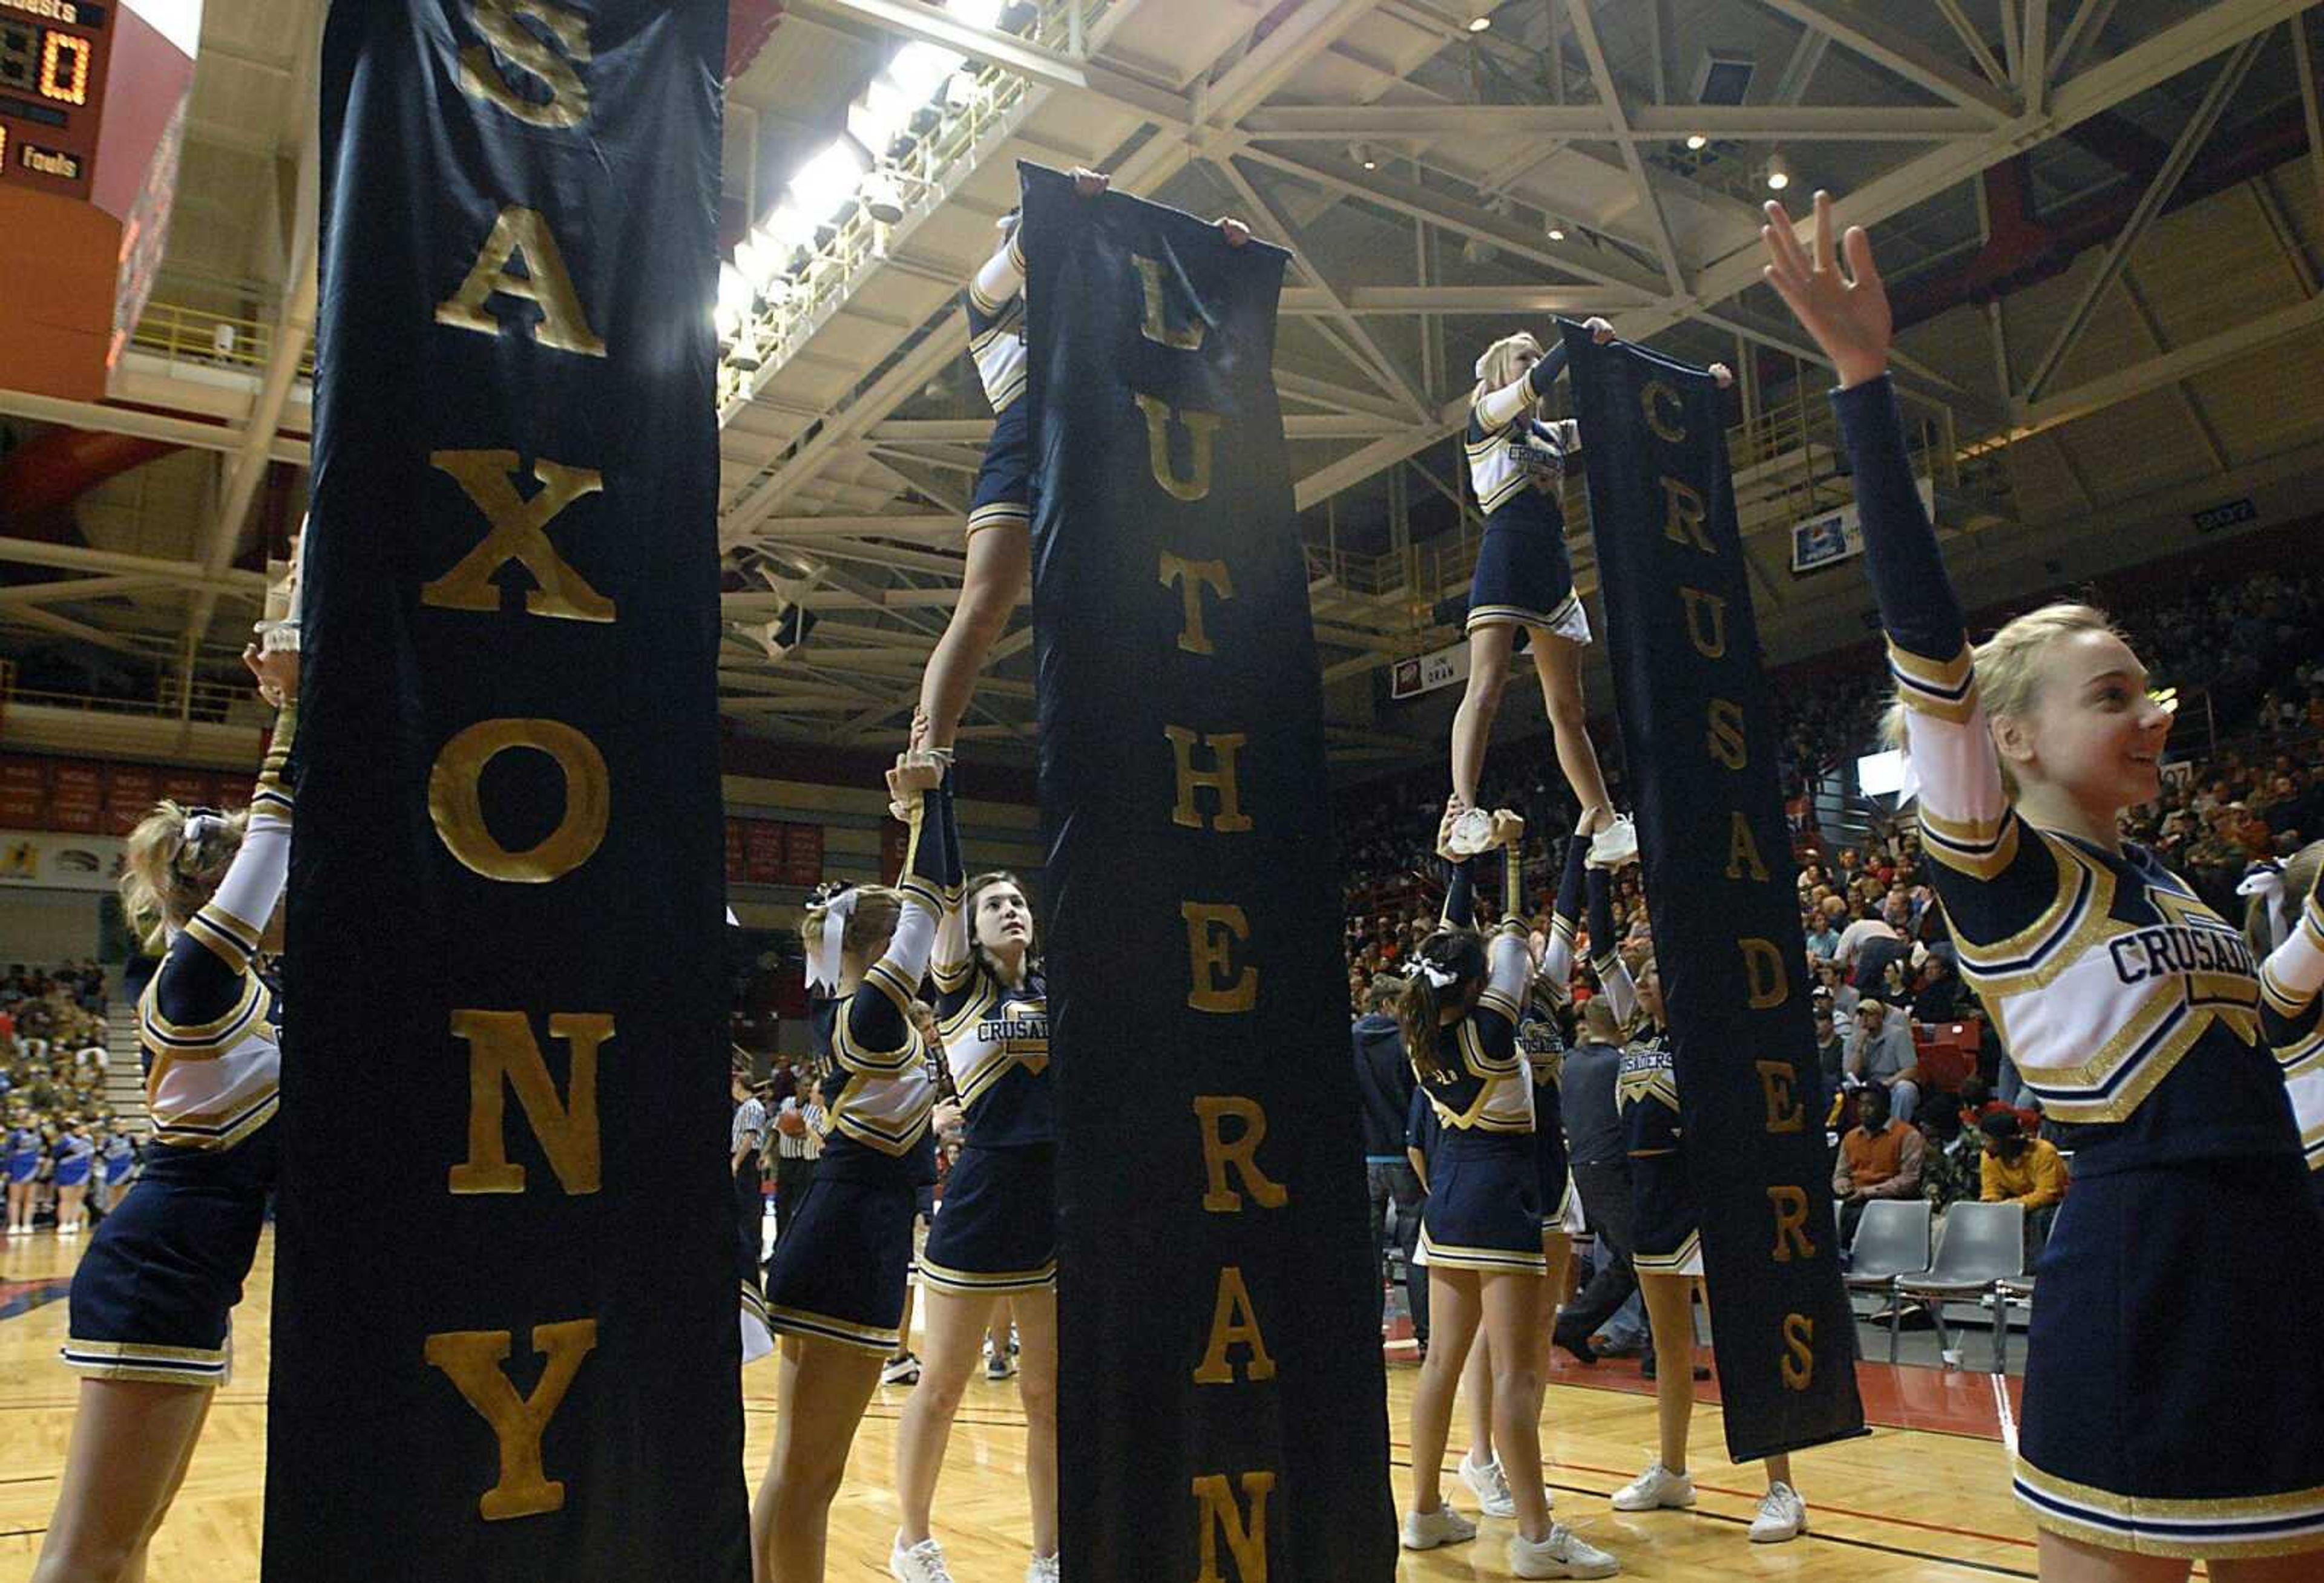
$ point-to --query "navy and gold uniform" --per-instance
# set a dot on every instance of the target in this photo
(838, 1271)
(153, 1298)
(2132, 1012)
(1542, 1046)
(997, 1230)
(1662, 1200)
(996, 341)
(1516, 465)
(1484, 1191)
(2291, 1017)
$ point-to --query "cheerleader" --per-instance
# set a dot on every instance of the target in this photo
(1481, 1230)
(1669, 1255)
(2290, 936)
(73, 1156)
(23, 1153)
(115, 1162)
(995, 1237)
(1524, 580)
(2133, 1012)
(152, 1301)
(835, 1284)
(1001, 508)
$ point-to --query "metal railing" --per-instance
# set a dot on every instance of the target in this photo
(198, 337)
(211, 702)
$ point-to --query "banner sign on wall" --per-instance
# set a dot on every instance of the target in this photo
(1223, 1408)
(504, 1260)
(1700, 736)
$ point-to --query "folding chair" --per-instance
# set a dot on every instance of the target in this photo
(1982, 1245)
(1892, 1242)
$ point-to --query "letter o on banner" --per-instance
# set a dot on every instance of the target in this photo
(456, 806)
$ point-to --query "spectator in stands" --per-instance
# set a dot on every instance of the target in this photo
(2021, 1169)
(1384, 1082)
(1831, 1050)
(1938, 998)
(1822, 934)
(1883, 1056)
(1878, 1158)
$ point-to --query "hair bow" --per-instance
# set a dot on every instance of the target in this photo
(822, 967)
(1439, 978)
(2266, 879)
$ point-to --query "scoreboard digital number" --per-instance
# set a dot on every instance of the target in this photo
(52, 77)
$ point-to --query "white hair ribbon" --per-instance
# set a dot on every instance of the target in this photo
(197, 828)
(2267, 880)
(1481, 364)
(1438, 978)
(822, 967)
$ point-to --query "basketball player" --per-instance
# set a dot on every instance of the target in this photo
(835, 1284)
(152, 1301)
(2290, 934)
(1481, 1230)
(996, 1234)
(1524, 581)
(2132, 1011)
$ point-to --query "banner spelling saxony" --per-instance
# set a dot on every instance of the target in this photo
(1700, 738)
(1221, 1393)
(505, 1341)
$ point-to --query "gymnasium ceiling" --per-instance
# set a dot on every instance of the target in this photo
(2101, 218)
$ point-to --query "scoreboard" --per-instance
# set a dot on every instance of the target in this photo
(52, 75)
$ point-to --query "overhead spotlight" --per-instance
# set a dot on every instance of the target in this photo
(1777, 172)
(883, 197)
(1363, 154)
(1480, 16)
(828, 181)
(1696, 142)
(975, 13)
(745, 354)
(1555, 232)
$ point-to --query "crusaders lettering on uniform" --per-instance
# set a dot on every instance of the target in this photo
(2179, 948)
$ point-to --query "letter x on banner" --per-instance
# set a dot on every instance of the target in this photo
(505, 1340)
(1699, 737)
(1222, 1403)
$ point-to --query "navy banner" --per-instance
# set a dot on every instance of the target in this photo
(1221, 1400)
(505, 1342)
(1699, 736)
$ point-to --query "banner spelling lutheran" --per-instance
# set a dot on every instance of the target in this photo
(1699, 735)
(1221, 1404)
(505, 1340)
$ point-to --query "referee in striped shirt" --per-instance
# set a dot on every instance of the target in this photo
(798, 1144)
(744, 1143)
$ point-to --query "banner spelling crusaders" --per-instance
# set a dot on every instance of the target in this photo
(1699, 736)
(1220, 1388)
(505, 1340)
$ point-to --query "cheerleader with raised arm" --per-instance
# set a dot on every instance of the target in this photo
(1524, 582)
(1481, 1231)
(152, 1298)
(835, 1284)
(2132, 1012)
(2284, 922)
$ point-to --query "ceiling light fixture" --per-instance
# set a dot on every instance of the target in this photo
(1696, 142)
(1778, 174)
(1362, 155)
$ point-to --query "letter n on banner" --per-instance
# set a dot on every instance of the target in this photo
(1699, 737)
(1219, 1380)
(505, 1341)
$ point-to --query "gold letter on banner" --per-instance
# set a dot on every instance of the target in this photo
(1245, 1542)
(455, 806)
(1799, 1352)
(1156, 327)
(1763, 969)
(1200, 428)
(1742, 849)
(1232, 819)
(473, 1359)
(1192, 577)
(568, 99)
(1684, 510)
(1791, 1207)
(1728, 743)
(520, 533)
(1654, 398)
(1242, 1154)
(1776, 1080)
(563, 327)
(1211, 930)
(1706, 623)
(1233, 1320)
(502, 1052)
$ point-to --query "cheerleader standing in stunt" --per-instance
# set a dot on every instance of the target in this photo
(1001, 510)
(1524, 580)
(151, 1300)
(2289, 934)
(1481, 1230)
(836, 1285)
(2133, 1012)
(1669, 1258)
(996, 1236)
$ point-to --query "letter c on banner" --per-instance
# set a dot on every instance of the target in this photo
(456, 806)
(1654, 398)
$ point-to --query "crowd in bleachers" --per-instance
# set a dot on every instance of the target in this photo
(56, 1125)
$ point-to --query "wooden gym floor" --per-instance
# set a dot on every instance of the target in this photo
(1925, 1504)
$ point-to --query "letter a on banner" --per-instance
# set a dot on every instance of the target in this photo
(507, 1341)
(1221, 1388)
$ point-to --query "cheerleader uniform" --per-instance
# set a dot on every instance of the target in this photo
(1516, 465)
(2133, 1011)
(153, 1298)
(25, 1150)
(997, 1230)
(1484, 1189)
(115, 1161)
(1543, 1047)
(996, 341)
(74, 1155)
(2291, 1017)
(839, 1269)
